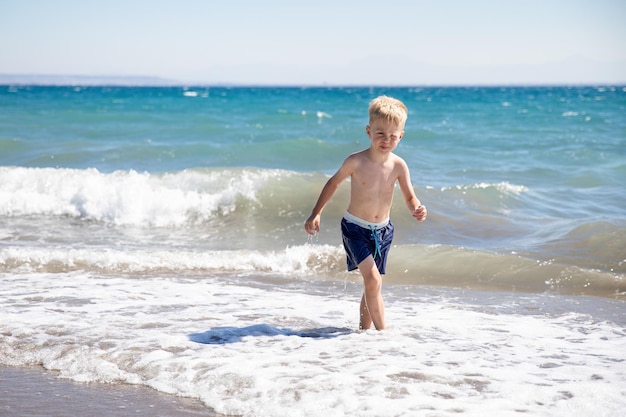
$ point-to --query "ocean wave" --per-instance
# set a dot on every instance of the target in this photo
(191, 196)
(461, 267)
(243, 208)
(298, 260)
(501, 187)
(128, 197)
(432, 265)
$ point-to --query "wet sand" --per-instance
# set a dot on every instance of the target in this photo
(35, 392)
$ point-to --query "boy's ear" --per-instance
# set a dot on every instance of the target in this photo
(368, 129)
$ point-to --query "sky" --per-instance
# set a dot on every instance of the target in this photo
(321, 42)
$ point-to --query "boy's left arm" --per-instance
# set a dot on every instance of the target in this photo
(412, 202)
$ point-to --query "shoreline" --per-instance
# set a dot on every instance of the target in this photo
(35, 391)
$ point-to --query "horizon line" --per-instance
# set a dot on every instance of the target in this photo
(152, 82)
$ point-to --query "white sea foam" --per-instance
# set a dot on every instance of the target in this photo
(296, 260)
(272, 349)
(503, 187)
(127, 197)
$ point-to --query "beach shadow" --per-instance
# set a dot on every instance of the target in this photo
(225, 335)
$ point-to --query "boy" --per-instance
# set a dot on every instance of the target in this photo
(366, 229)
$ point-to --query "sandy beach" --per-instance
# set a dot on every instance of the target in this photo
(35, 392)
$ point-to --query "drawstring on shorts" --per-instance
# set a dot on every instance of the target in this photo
(375, 236)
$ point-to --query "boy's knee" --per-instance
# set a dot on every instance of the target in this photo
(372, 283)
(371, 277)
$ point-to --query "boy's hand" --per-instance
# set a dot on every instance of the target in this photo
(420, 213)
(312, 224)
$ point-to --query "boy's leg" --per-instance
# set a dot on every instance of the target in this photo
(365, 320)
(373, 299)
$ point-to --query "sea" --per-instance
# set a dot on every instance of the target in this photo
(154, 236)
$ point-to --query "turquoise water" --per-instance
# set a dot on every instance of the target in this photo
(536, 171)
(155, 236)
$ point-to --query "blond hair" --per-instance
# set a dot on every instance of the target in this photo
(388, 109)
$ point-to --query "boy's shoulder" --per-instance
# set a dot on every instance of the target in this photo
(398, 159)
(356, 157)
(359, 154)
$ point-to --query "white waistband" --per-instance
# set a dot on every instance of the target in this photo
(363, 223)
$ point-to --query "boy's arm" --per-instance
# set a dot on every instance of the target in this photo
(412, 202)
(312, 224)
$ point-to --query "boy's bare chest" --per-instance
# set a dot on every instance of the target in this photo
(375, 178)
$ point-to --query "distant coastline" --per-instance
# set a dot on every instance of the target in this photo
(86, 80)
(54, 80)
(373, 72)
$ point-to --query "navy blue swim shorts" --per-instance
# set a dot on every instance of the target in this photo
(361, 239)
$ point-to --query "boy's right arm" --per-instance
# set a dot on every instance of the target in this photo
(312, 224)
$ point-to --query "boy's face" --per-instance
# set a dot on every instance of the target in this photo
(384, 135)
